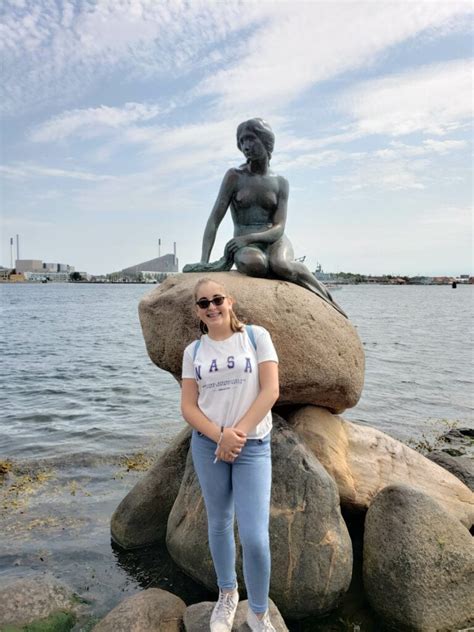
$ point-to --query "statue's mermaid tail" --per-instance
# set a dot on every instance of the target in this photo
(329, 299)
(224, 264)
(320, 289)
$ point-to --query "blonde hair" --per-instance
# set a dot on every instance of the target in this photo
(235, 323)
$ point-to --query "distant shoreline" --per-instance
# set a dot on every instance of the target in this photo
(327, 283)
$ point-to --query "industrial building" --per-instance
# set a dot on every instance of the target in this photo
(36, 270)
(167, 264)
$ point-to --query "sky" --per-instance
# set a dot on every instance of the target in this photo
(119, 119)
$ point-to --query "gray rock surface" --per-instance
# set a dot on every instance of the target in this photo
(141, 517)
(321, 356)
(363, 460)
(153, 610)
(197, 617)
(31, 598)
(310, 545)
(418, 562)
(461, 466)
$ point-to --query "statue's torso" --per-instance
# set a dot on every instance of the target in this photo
(254, 202)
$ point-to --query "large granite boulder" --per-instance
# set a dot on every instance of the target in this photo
(153, 610)
(321, 356)
(37, 599)
(418, 562)
(310, 545)
(363, 460)
(197, 617)
(141, 517)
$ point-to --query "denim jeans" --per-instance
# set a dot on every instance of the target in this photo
(244, 485)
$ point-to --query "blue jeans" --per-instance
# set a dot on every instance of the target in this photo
(244, 485)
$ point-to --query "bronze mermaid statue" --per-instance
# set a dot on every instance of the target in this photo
(258, 200)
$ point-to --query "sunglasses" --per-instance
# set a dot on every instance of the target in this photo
(204, 303)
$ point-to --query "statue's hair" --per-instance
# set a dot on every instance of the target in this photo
(235, 323)
(261, 129)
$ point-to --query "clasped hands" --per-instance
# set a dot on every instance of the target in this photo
(230, 445)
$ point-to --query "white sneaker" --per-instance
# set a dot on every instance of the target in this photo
(222, 616)
(259, 625)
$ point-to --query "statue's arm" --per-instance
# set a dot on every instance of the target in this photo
(218, 212)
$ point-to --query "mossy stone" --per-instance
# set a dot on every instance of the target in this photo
(57, 622)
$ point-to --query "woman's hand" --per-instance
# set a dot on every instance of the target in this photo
(231, 444)
(235, 244)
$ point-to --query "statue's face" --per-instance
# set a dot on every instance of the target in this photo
(251, 145)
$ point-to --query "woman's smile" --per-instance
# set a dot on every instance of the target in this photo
(214, 315)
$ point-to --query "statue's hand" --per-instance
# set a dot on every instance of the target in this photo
(235, 244)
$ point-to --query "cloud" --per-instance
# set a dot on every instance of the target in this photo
(400, 166)
(428, 147)
(297, 49)
(451, 216)
(27, 170)
(54, 51)
(434, 99)
(246, 56)
(92, 121)
(375, 175)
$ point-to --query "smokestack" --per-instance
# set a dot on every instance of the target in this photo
(11, 252)
(174, 252)
(159, 246)
(18, 246)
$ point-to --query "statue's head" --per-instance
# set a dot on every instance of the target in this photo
(261, 129)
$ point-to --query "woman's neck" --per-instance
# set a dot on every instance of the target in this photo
(259, 166)
(220, 333)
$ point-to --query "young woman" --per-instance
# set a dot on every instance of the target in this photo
(230, 383)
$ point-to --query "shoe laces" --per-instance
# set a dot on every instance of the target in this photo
(264, 624)
(225, 605)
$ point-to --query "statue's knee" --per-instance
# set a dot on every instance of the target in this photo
(251, 262)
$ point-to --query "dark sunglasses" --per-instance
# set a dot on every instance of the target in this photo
(204, 303)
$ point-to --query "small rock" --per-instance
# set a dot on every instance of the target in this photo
(141, 517)
(418, 562)
(153, 610)
(197, 617)
(460, 466)
(363, 460)
(35, 597)
(310, 546)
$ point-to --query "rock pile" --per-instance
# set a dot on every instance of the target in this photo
(320, 463)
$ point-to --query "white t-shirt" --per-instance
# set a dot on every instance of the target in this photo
(226, 372)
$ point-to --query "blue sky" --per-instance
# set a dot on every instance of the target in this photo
(119, 118)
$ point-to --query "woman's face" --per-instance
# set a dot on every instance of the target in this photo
(214, 315)
(251, 145)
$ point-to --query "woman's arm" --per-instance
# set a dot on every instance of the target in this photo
(278, 225)
(231, 439)
(217, 214)
(268, 395)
